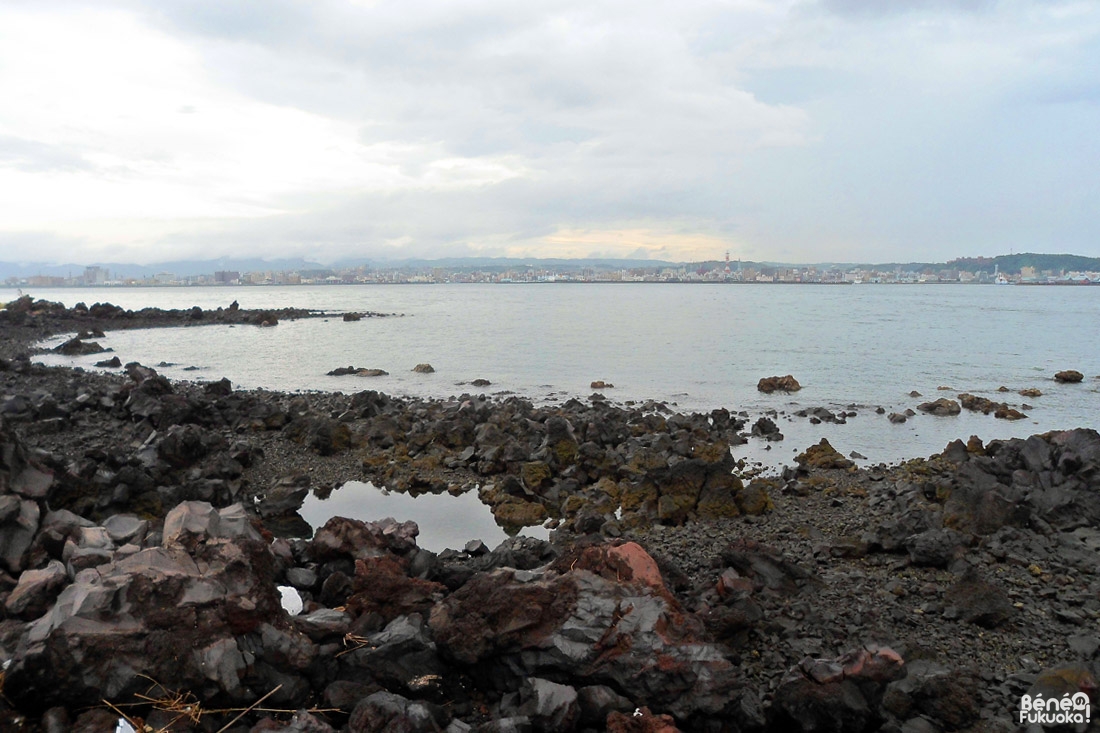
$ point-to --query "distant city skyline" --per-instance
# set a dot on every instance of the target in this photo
(795, 131)
(1022, 269)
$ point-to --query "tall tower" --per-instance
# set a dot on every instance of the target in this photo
(727, 262)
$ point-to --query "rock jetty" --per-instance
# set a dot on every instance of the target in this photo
(146, 577)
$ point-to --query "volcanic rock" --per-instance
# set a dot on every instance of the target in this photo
(985, 406)
(836, 695)
(76, 347)
(786, 383)
(766, 428)
(1069, 376)
(943, 406)
(178, 613)
(822, 455)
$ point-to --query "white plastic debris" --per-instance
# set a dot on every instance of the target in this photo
(292, 601)
(124, 726)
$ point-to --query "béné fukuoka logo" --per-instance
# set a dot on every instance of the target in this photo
(1065, 710)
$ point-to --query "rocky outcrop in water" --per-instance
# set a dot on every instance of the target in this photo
(787, 383)
(941, 407)
(985, 406)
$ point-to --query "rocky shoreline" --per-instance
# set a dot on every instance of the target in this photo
(145, 563)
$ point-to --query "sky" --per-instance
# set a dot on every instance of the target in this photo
(779, 130)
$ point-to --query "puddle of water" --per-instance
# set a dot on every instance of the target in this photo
(445, 521)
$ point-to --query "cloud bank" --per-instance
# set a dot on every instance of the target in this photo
(135, 130)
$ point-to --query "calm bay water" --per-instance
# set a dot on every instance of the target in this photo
(698, 346)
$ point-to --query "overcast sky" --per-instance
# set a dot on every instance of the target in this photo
(783, 130)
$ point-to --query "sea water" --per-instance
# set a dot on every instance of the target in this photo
(696, 347)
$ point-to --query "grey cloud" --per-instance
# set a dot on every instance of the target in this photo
(39, 246)
(880, 8)
(793, 127)
(33, 156)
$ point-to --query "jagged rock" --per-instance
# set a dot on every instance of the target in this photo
(480, 383)
(184, 445)
(600, 384)
(838, 695)
(21, 475)
(601, 617)
(1069, 376)
(385, 711)
(986, 406)
(979, 601)
(596, 702)
(1031, 392)
(167, 613)
(352, 317)
(285, 497)
(818, 415)
(935, 547)
(943, 407)
(764, 569)
(1057, 682)
(221, 388)
(300, 722)
(113, 363)
(352, 539)
(18, 525)
(37, 590)
(192, 522)
(382, 586)
(125, 528)
(642, 720)
(766, 428)
(423, 369)
(822, 456)
(76, 347)
(949, 697)
(265, 319)
(787, 383)
(325, 436)
(896, 417)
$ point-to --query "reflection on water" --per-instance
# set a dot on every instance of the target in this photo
(445, 521)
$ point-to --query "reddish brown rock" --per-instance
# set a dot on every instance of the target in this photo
(787, 383)
(641, 721)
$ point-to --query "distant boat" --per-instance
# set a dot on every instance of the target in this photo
(1002, 280)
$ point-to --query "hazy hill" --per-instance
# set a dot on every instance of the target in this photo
(1007, 264)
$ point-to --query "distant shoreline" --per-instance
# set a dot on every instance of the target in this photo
(138, 286)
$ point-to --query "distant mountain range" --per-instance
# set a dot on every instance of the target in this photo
(183, 268)
(1007, 264)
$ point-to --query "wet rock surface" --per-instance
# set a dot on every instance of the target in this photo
(785, 383)
(139, 569)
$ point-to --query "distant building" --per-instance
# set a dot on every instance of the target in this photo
(45, 281)
(227, 277)
(96, 275)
